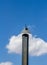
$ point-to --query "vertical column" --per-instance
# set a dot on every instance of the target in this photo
(25, 40)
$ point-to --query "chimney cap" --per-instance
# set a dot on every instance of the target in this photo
(25, 30)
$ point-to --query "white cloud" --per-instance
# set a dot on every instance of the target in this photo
(37, 46)
(6, 63)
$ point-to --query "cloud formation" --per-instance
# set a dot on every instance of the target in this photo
(6, 63)
(37, 46)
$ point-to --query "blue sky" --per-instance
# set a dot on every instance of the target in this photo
(14, 14)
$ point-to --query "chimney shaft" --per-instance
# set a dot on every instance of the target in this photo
(25, 41)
